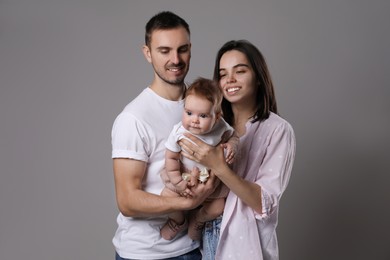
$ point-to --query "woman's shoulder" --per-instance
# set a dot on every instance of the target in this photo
(267, 127)
(276, 121)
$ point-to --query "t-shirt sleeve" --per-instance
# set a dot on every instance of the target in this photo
(171, 143)
(128, 138)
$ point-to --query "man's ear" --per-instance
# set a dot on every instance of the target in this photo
(146, 51)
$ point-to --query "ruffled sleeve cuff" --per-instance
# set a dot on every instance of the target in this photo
(266, 206)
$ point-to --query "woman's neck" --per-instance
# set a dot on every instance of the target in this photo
(242, 114)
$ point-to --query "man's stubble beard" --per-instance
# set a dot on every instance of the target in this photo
(177, 82)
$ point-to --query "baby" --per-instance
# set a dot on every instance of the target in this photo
(202, 117)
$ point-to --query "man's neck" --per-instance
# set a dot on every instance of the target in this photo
(169, 91)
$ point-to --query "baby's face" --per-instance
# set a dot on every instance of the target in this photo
(198, 116)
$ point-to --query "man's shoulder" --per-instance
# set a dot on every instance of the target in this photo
(138, 101)
(131, 112)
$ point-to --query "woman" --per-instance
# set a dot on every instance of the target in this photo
(263, 166)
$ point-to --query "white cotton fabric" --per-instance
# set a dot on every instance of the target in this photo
(139, 132)
(212, 138)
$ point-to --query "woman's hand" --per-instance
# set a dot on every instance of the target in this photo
(199, 151)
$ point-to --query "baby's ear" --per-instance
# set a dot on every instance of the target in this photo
(218, 115)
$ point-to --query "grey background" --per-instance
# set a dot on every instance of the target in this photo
(67, 68)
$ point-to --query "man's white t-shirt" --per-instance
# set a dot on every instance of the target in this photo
(139, 132)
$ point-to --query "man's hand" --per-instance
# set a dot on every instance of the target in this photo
(201, 191)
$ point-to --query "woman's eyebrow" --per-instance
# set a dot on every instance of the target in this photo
(236, 66)
(241, 65)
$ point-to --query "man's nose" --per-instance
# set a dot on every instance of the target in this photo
(175, 57)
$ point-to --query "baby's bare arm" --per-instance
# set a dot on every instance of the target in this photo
(173, 170)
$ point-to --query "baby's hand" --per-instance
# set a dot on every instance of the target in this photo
(186, 192)
(231, 148)
(230, 152)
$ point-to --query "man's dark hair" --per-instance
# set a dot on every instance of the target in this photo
(163, 21)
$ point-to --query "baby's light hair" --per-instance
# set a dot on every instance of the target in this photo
(208, 89)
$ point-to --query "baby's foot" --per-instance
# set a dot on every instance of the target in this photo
(171, 228)
(195, 229)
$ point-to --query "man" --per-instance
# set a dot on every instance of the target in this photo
(138, 136)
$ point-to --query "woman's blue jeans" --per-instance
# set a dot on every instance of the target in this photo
(211, 238)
